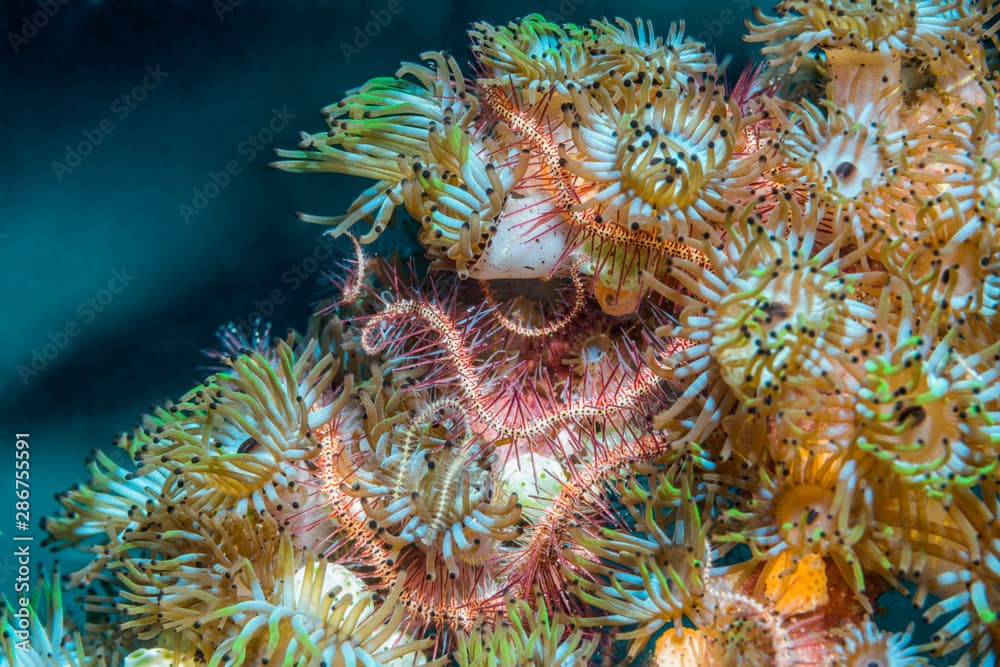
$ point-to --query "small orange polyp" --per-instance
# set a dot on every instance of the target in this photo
(797, 588)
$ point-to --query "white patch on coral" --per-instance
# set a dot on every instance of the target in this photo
(536, 479)
(529, 241)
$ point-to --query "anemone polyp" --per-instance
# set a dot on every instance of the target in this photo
(655, 574)
(797, 585)
(968, 584)
(236, 440)
(461, 193)
(431, 485)
(964, 276)
(301, 617)
(662, 158)
(863, 645)
(850, 159)
(927, 412)
(625, 47)
(534, 54)
(775, 315)
(532, 638)
(813, 505)
(379, 130)
(948, 251)
(929, 31)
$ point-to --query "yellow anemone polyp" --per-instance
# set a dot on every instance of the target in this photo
(634, 47)
(236, 440)
(459, 193)
(806, 516)
(774, 314)
(964, 276)
(928, 412)
(305, 617)
(849, 159)
(535, 54)
(787, 305)
(812, 505)
(947, 250)
(662, 159)
(528, 637)
(373, 126)
(865, 645)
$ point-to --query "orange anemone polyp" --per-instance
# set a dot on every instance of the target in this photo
(807, 517)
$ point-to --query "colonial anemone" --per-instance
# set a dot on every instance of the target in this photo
(663, 159)
(305, 618)
(928, 412)
(966, 614)
(535, 55)
(40, 634)
(178, 566)
(955, 268)
(651, 577)
(539, 57)
(410, 135)
(105, 503)
(810, 506)
(234, 441)
(866, 645)
(430, 484)
(774, 318)
(948, 251)
(936, 33)
(624, 49)
(459, 192)
(849, 159)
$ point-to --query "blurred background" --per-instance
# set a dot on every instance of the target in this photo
(137, 212)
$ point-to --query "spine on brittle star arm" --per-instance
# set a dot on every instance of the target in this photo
(373, 342)
(539, 562)
(563, 180)
(579, 295)
(355, 282)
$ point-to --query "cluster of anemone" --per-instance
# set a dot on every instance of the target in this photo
(772, 320)
(596, 146)
(700, 374)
